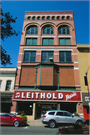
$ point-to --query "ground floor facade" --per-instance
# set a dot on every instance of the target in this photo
(36, 103)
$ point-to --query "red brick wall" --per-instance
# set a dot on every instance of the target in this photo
(28, 76)
(47, 76)
(66, 77)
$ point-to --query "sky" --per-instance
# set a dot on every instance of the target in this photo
(17, 9)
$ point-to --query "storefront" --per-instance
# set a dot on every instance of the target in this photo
(36, 103)
(86, 106)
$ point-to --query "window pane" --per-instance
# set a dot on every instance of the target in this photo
(32, 30)
(61, 41)
(8, 85)
(26, 56)
(68, 56)
(50, 53)
(34, 41)
(60, 113)
(28, 41)
(50, 41)
(67, 41)
(44, 56)
(62, 59)
(45, 41)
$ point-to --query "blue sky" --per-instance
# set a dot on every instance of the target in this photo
(18, 8)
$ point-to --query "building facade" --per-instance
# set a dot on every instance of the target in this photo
(84, 66)
(47, 70)
(7, 82)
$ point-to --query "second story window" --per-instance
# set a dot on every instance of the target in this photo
(65, 56)
(48, 30)
(32, 30)
(31, 41)
(47, 56)
(29, 56)
(8, 85)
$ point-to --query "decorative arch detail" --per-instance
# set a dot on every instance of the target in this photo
(65, 23)
(32, 23)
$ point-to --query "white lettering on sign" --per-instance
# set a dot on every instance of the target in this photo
(70, 96)
(86, 98)
(17, 95)
(37, 94)
(23, 95)
(32, 95)
(49, 95)
(28, 94)
(42, 95)
(60, 96)
(54, 96)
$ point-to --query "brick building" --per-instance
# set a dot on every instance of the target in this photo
(47, 70)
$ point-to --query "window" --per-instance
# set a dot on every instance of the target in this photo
(29, 18)
(46, 56)
(48, 18)
(66, 114)
(8, 85)
(4, 115)
(48, 41)
(38, 18)
(51, 113)
(32, 30)
(65, 56)
(64, 30)
(0, 83)
(63, 17)
(48, 30)
(43, 18)
(31, 41)
(33, 18)
(60, 113)
(68, 17)
(58, 17)
(53, 17)
(29, 56)
(64, 41)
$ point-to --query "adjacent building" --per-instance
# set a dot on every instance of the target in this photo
(84, 72)
(7, 82)
(47, 70)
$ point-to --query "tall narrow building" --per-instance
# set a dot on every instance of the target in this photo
(47, 70)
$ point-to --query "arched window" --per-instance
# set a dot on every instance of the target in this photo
(48, 17)
(32, 30)
(33, 18)
(38, 18)
(64, 30)
(48, 30)
(63, 17)
(58, 17)
(68, 17)
(29, 18)
(53, 17)
(8, 85)
(43, 18)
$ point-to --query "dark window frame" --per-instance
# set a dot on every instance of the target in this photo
(30, 56)
(63, 58)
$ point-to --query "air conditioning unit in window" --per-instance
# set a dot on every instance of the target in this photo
(51, 59)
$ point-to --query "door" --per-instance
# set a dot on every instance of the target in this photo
(7, 119)
(59, 117)
(68, 117)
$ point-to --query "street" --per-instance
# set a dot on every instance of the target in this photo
(28, 130)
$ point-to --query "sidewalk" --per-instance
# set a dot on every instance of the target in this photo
(37, 122)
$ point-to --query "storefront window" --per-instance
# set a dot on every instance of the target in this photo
(26, 107)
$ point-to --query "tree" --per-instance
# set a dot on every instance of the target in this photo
(6, 31)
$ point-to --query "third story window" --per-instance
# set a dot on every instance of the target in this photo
(64, 41)
(8, 85)
(48, 41)
(29, 56)
(31, 41)
(65, 56)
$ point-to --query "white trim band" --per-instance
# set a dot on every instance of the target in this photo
(19, 61)
(76, 68)
(19, 67)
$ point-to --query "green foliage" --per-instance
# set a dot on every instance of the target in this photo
(6, 31)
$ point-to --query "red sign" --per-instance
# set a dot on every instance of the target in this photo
(61, 96)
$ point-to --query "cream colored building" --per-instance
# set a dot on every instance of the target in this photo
(83, 51)
(7, 81)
